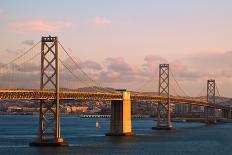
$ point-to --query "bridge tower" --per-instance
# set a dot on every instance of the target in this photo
(49, 117)
(211, 85)
(164, 109)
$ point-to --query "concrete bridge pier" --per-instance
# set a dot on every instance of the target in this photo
(120, 123)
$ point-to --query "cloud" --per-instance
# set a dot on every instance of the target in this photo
(24, 76)
(213, 60)
(152, 62)
(118, 65)
(40, 26)
(115, 69)
(102, 21)
(217, 65)
(13, 67)
(29, 68)
(88, 64)
(34, 26)
(28, 42)
(9, 54)
(91, 65)
(178, 66)
(155, 58)
(118, 70)
(26, 80)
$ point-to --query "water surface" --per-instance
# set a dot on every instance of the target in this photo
(16, 132)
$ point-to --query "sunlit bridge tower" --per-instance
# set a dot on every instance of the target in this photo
(164, 109)
(210, 112)
(49, 117)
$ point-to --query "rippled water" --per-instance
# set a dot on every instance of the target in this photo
(190, 138)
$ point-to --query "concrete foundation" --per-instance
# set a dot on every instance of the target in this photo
(120, 123)
(49, 143)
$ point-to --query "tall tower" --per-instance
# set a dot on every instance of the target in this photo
(164, 109)
(211, 112)
(211, 91)
(49, 117)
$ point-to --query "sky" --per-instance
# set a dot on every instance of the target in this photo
(121, 42)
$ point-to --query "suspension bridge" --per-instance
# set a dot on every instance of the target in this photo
(56, 65)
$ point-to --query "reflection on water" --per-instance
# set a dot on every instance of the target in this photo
(84, 138)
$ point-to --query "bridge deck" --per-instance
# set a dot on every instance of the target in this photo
(75, 95)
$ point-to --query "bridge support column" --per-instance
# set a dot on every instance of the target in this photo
(120, 122)
(49, 117)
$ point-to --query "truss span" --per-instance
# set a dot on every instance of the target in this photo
(75, 95)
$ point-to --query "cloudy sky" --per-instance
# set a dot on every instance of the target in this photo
(121, 42)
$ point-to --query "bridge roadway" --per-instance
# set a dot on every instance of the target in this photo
(76, 95)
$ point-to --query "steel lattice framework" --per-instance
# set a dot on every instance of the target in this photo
(49, 120)
(75, 95)
(211, 85)
(164, 109)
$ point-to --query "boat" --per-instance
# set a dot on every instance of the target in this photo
(98, 125)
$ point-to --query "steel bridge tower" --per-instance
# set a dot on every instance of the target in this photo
(49, 116)
(164, 109)
(211, 85)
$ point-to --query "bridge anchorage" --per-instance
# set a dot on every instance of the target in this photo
(164, 109)
(49, 116)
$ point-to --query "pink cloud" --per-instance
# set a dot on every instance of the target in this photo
(102, 21)
(152, 62)
(178, 67)
(40, 26)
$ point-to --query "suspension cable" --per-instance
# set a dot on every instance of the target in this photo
(148, 81)
(202, 91)
(18, 57)
(178, 85)
(75, 74)
(172, 88)
(219, 94)
(76, 63)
